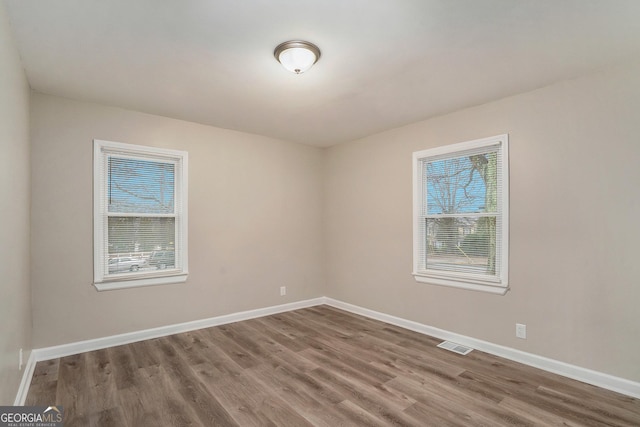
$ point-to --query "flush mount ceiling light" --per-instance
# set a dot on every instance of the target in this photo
(297, 56)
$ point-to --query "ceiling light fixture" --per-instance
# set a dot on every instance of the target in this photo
(297, 56)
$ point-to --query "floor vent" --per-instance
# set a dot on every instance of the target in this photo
(456, 348)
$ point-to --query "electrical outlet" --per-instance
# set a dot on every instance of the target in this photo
(283, 291)
(20, 360)
(521, 331)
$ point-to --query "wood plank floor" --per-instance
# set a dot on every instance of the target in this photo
(318, 366)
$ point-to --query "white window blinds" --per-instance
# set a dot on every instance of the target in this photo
(460, 213)
(140, 212)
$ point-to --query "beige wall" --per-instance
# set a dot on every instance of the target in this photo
(254, 223)
(15, 293)
(575, 209)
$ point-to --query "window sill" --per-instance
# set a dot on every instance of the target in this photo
(496, 289)
(140, 282)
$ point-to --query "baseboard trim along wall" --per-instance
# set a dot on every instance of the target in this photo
(162, 331)
(620, 385)
(26, 379)
(48, 353)
(609, 382)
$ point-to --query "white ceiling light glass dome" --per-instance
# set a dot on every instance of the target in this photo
(297, 56)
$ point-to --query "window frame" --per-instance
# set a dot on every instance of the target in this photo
(498, 284)
(102, 280)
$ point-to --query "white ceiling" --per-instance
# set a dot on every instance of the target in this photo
(385, 63)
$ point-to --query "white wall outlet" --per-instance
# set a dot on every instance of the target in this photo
(283, 291)
(20, 360)
(521, 331)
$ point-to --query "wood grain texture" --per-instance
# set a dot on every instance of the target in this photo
(317, 366)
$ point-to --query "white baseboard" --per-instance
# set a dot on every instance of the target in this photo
(48, 353)
(599, 379)
(23, 390)
(620, 385)
(63, 350)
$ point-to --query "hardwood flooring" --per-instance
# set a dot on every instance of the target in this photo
(317, 366)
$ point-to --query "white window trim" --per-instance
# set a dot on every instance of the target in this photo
(163, 277)
(498, 285)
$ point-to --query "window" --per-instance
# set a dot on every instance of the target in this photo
(139, 215)
(461, 215)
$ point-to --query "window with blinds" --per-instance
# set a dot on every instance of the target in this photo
(140, 234)
(461, 219)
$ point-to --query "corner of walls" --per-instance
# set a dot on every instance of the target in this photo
(254, 222)
(15, 284)
(323, 218)
(572, 271)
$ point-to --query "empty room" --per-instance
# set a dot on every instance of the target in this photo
(320, 213)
